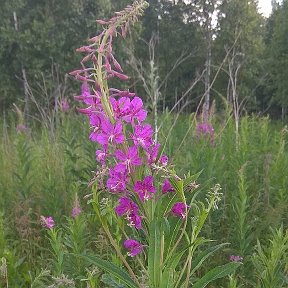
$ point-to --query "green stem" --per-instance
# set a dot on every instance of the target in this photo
(120, 255)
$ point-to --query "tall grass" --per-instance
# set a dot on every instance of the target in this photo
(41, 172)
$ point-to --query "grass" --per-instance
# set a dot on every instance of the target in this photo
(43, 169)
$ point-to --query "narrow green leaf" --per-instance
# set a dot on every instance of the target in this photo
(198, 261)
(216, 273)
(167, 279)
(154, 254)
(110, 268)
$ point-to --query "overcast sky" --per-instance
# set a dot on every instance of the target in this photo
(265, 7)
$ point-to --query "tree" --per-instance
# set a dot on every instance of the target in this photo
(240, 38)
(277, 54)
(47, 34)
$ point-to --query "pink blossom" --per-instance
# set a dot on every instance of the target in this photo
(21, 128)
(130, 209)
(47, 222)
(135, 220)
(164, 160)
(143, 135)
(126, 206)
(117, 181)
(76, 211)
(128, 159)
(205, 129)
(101, 155)
(153, 153)
(95, 122)
(145, 188)
(120, 106)
(167, 187)
(85, 92)
(235, 258)
(179, 209)
(133, 246)
(64, 105)
(109, 133)
(136, 111)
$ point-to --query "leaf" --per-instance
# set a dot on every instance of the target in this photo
(112, 269)
(198, 261)
(216, 273)
(190, 179)
(110, 281)
(154, 254)
(167, 279)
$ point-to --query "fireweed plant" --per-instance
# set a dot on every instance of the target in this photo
(163, 217)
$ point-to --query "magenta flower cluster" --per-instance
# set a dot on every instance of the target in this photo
(47, 222)
(128, 155)
(235, 258)
(205, 129)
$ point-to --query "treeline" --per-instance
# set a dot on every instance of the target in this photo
(183, 53)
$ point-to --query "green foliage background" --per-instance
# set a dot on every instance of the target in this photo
(40, 38)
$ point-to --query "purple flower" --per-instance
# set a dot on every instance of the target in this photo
(64, 105)
(179, 209)
(47, 222)
(76, 211)
(95, 122)
(117, 181)
(110, 133)
(205, 129)
(153, 153)
(235, 258)
(127, 159)
(126, 206)
(136, 111)
(143, 135)
(120, 107)
(164, 160)
(85, 93)
(100, 156)
(130, 209)
(145, 188)
(134, 220)
(21, 128)
(133, 246)
(167, 187)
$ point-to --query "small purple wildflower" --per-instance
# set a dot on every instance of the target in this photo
(126, 206)
(128, 159)
(164, 160)
(145, 188)
(235, 258)
(133, 246)
(112, 134)
(76, 210)
(64, 105)
(205, 129)
(117, 181)
(100, 156)
(47, 222)
(136, 111)
(130, 209)
(167, 187)
(85, 92)
(134, 220)
(153, 153)
(21, 128)
(143, 135)
(120, 107)
(179, 209)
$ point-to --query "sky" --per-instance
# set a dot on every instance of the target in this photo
(265, 7)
